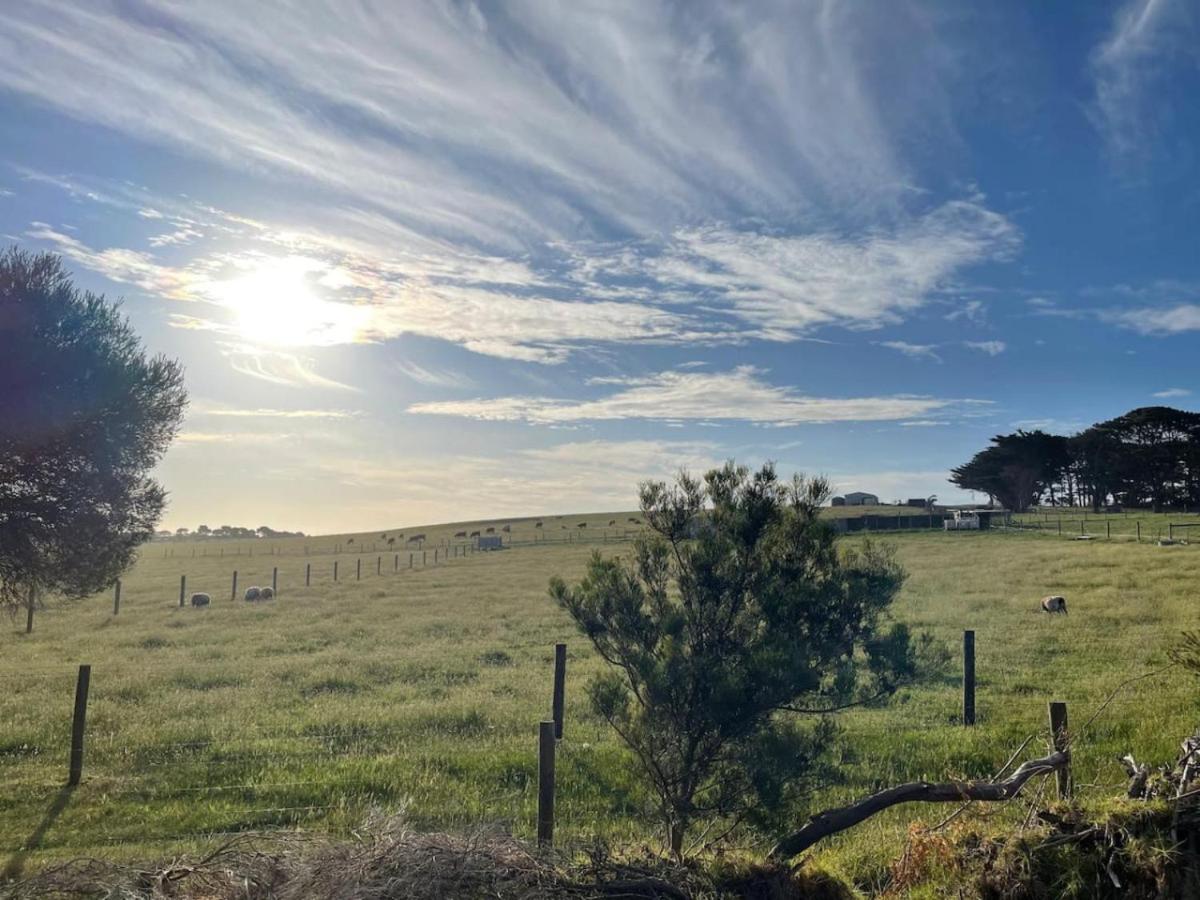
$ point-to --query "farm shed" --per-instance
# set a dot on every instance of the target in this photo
(838, 501)
(860, 498)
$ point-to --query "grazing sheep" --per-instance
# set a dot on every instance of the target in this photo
(266, 594)
(201, 599)
(1055, 604)
(253, 593)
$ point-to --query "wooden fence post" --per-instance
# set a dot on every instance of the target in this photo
(358, 570)
(233, 594)
(968, 711)
(378, 564)
(1108, 530)
(423, 552)
(560, 683)
(307, 574)
(335, 562)
(117, 597)
(1139, 530)
(79, 724)
(182, 587)
(396, 563)
(410, 560)
(29, 612)
(435, 556)
(1058, 733)
(545, 813)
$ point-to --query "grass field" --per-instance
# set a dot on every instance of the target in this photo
(422, 689)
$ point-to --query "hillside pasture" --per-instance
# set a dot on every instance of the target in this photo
(421, 690)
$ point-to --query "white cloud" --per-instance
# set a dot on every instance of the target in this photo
(1146, 37)
(1172, 393)
(972, 311)
(739, 395)
(277, 367)
(263, 413)
(1177, 319)
(913, 351)
(433, 377)
(991, 348)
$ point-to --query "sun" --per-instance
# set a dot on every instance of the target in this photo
(275, 303)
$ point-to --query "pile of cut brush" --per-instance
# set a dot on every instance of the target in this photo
(388, 861)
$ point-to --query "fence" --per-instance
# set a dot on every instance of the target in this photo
(265, 779)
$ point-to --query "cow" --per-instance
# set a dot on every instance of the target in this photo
(537, 524)
(253, 593)
(612, 522)
(201, 600)
(581, 525)
(266, 594)
(1055, 604)
(460, 534)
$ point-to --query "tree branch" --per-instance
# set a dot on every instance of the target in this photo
(833, 821)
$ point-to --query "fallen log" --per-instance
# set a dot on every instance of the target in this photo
(832, 821)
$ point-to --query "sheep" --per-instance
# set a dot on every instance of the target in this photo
(1055, 604)
(253, 593)
(266, 594)
(201, 599)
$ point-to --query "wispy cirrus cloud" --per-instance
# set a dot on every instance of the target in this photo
(1172, 393)
(1147, 36)
(738, 395)
(913, 351)
(991, 348)
(1158, 322)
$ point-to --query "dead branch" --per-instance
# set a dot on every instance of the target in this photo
(836, 820)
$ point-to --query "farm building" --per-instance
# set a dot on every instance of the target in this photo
(918, 502)
(838, 501)
(859, 498)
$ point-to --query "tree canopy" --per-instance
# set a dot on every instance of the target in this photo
(734, 631)
(85, 414)
(1147, 457)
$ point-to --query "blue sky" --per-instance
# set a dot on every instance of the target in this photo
(437, 261)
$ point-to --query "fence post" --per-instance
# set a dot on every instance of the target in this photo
(1060, 524)
(275, 579)
(396, 563)
(358, 570)
(435, 557)
(1058, 732)
(968, 678)
(410, 560)
(545, 813)
(307, 574)
(182, 587)
(1170, 531)
(335, 562)
(117, 597)
(560, 683)
(423, 552)
(78, 724)
(378, 564)
(1108, 530)
(1081, 521)
(1139, 530)
(233, 594)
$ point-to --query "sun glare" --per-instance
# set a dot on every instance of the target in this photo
(275, 303)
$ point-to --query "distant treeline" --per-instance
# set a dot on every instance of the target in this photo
(226, 531)
(1149, 457)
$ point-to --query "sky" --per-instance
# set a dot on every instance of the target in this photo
(438, 261)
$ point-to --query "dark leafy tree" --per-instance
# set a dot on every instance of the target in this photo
(733, 633)
(1158, 453)
(1016, 469)
(1095, 466)
(84, 416)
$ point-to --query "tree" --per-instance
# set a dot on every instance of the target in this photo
(84, 415)
(733, 633)
(203, 529)
(1016, 470)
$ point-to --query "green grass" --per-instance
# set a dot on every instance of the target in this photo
(422, 690)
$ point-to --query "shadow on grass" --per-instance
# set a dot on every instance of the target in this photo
(16, 863)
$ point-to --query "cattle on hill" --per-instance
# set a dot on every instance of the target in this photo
(581, 525)
(474, 534)
(490, 530)
(201, 599)
(460, 534)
